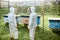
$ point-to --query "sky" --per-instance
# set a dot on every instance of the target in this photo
(28, 0)
(25, 0)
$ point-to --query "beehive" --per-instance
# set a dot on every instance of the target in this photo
(54, 23)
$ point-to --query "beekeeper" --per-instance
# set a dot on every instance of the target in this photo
(32, 23)
(13, 24)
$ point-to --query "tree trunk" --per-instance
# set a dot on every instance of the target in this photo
(8, 4)
(0, 3)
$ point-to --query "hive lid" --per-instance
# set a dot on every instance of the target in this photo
(54, 18)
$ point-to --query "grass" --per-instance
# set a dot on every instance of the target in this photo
(41, 34)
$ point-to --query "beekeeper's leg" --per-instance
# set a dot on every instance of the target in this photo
(31, 34)
(34, 29)
(16, 34)
(11, 33)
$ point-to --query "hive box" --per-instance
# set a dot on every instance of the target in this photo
(54, 23)
(22, 19)
(6, 18)
(25, 19)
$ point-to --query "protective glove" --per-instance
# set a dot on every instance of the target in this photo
(29, 27)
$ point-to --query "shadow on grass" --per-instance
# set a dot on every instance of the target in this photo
(56, 31)
(45, 34)
(23, 32)
(39, 35)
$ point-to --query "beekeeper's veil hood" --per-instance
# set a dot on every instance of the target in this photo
(12, 10)
(32, 9)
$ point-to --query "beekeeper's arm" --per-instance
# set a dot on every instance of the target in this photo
(30, 21)
(35, 21)
(10, 18)
(14, 20)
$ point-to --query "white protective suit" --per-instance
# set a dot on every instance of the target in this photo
(32, 23)
(12, 24)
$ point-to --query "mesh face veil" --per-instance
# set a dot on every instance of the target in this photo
(32, 9)
(12, 10)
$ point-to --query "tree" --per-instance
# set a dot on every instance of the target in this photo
(0, 3)
(8, 4)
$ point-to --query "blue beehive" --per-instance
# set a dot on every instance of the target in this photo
(7, 20)
(27, 16)
(38, 20)
(54, 23)
(23, 16)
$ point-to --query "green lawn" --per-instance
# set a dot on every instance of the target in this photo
(41, 34)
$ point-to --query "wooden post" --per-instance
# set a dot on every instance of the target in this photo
(43, 15)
